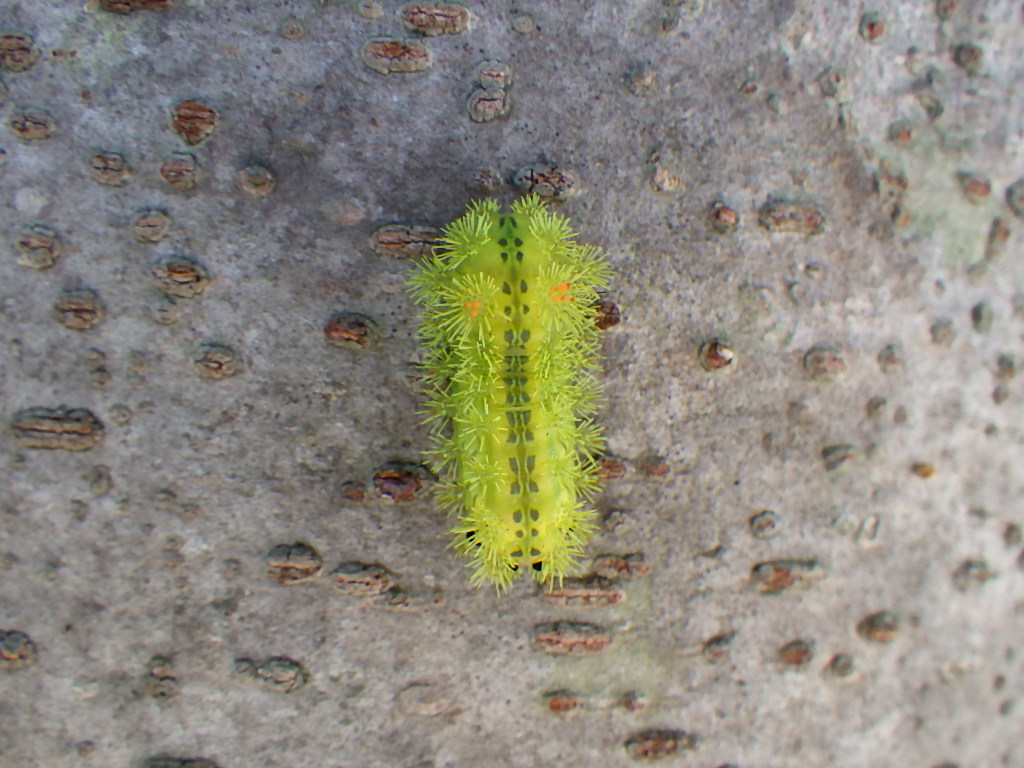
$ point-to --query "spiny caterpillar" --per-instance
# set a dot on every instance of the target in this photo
(508, 324)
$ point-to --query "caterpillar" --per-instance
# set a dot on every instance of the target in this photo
(508, 305)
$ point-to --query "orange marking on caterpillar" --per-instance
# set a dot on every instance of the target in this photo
(474, 307)
(559, 291)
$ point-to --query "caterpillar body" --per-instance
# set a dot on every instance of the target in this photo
(508, 325)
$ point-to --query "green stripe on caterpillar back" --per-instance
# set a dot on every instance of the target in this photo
(508, 325)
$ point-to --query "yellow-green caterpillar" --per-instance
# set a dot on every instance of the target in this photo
(508, 324)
